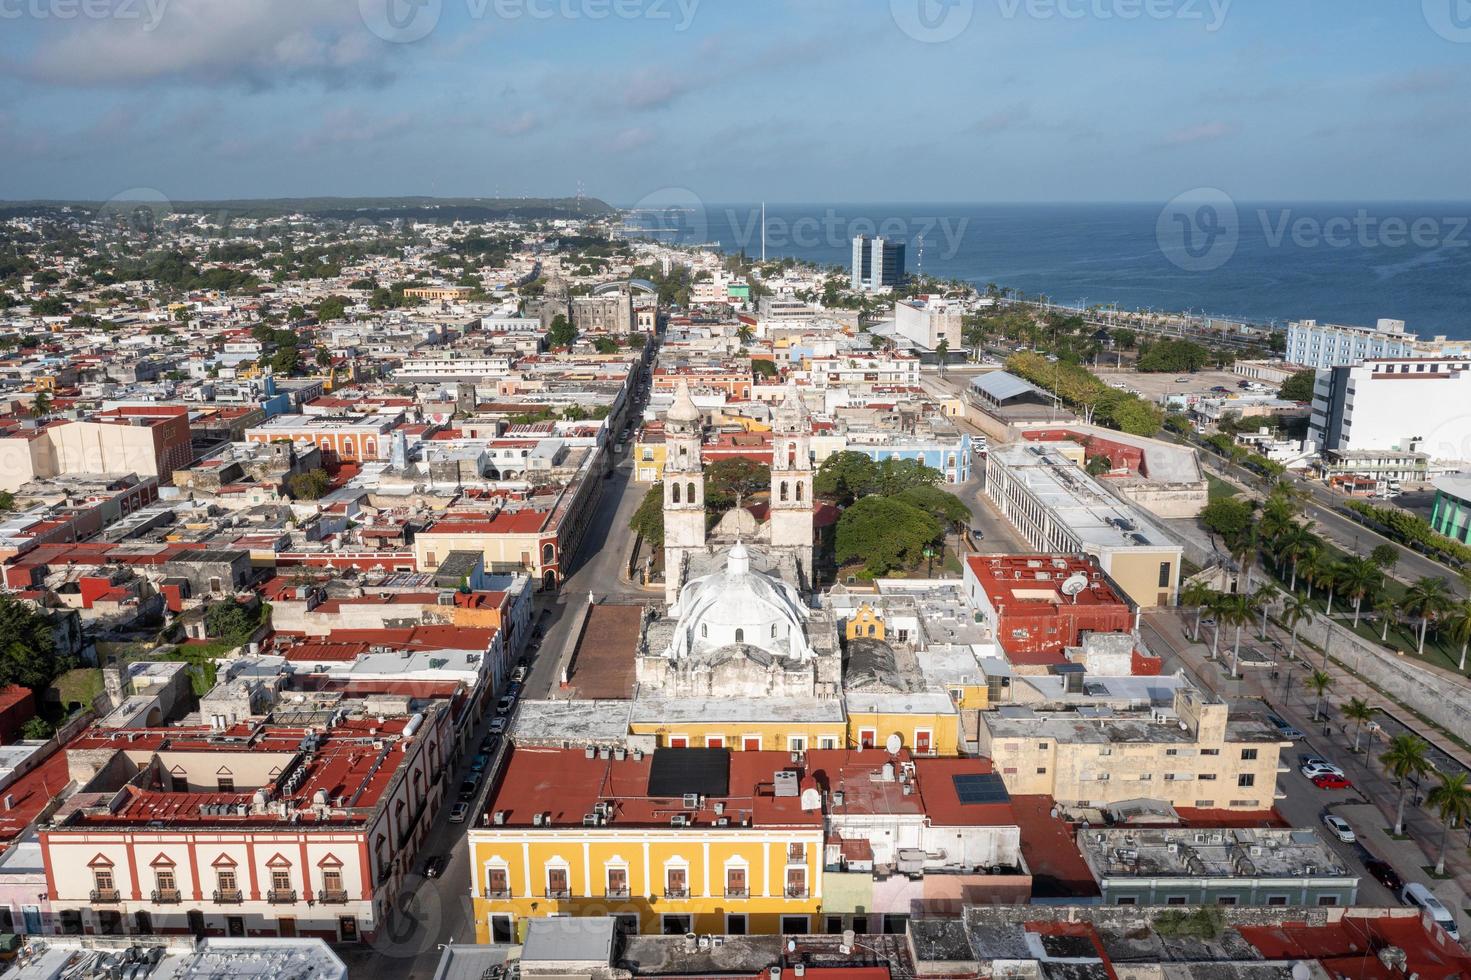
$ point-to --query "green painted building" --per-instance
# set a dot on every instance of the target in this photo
(1452, 514)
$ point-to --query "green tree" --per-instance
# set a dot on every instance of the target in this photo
(41, 405)
(894, 476)
(1386, 607)
(762, 368)
(946, 508)
(605, 345)
(562, 332)
(1174, 356)
(1425, 600)
(1359, 578)
(28, 654)
(7, 500)
(1295, 609)
(1358, 711)
(648, 520)
(885, 534)
(1230, 517)
(332, 308)
(1458, 626)
(1452, 801)
(37, 729)
(1319, 682)
(843, 477)
(1299, 387)
(1386, 556)
(1239, 612)
(285, 361)
(229, 620)
(1099, 465)
(1406, 758)
(310, 485)
(735, 477)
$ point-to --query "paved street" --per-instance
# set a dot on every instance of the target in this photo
(1370, 806)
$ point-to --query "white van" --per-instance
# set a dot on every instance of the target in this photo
(1418, 895)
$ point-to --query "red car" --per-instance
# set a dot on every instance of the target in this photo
(1330, 781)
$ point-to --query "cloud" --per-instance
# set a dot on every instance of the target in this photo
(628, 140)
(1424, 81)
(1204, 133)
(654, 90)
(348, 127)
(1002, 120)
(257, 44)
(526, 122)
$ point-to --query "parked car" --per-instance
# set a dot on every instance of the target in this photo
(1318, 767)
(467, 790)
(504, 705)
(1385, 874)
(519, 674)
(459, 812)
(488, 744)
(1418, 895)
(434, 866)
(1286, 730)
(498, 725)
(1338, 827)
(1330, 780)
(478, 764)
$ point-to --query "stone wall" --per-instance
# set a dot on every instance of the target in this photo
(1437, 695)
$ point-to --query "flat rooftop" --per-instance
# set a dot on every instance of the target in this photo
(1212, 853)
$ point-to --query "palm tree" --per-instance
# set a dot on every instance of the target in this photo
(1425, 600)
(1331, 578)
(1295, 609)
(1297, 544)
(1386, 607)
(1219, 603)
(1405, 757)
(1196, 594)
(1262, 600)
(1458, 626)
(1319, 681)
(1358, 712)
(1311, 567)
(1239, 612)
(1357, 578)
(41, 405)
(1452, 800)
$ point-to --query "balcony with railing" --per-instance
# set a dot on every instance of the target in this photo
(499, 894)
(106, 896)
(228, 896)
(617, 891)
(167, 896)
(559, 893)
(737, 891)
(332, 896)
(281, 896)
(796, 891)
(677, 892)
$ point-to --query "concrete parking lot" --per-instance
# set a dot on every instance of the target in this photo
(1154, 386)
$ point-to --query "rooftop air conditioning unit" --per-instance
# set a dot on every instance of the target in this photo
(590, 820)
(691, 801)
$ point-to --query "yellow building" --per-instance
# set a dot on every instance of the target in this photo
(865, 623)
(649, 453)
(673, 842)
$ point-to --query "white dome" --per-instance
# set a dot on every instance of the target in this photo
(739, 606)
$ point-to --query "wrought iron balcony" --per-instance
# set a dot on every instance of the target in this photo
(332, 896)
(106, 896)
(281, 896)
(166, 896)
(229, 896)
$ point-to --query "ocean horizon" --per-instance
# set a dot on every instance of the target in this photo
(1260, 262)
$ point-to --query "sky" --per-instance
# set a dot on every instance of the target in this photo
(797, 101)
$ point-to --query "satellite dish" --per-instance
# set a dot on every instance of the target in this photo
(894, 744)
(1075, 585)
(811, 799)
(1301, 971)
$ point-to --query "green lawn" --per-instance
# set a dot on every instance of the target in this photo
(1219, 488)
(1403, 635)
(80, 685)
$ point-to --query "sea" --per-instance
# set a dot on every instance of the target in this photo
(1203, 253)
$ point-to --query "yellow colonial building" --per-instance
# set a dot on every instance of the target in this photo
(672, 842)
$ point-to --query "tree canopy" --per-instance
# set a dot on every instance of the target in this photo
(28, 655)
(1174, 356)
(648, 520)
(846, 476)
(562, 332)
(311, 485)
(1299, 387)
(885, 533)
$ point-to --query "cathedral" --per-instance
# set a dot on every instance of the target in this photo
(739, 620)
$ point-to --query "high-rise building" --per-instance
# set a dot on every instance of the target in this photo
(877, 263)
(1329, 345)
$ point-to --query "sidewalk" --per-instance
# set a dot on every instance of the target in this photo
(1289, 698)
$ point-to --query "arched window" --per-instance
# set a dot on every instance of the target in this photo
(784, 490)
(773, 630)
(689, 494)
(676, 493)
(704, 631)
(548, 554)
(872, 630)
(799, 491)
(740, 636)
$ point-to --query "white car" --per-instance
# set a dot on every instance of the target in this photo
(459, 812)
(1339, 828)
(1314, 768)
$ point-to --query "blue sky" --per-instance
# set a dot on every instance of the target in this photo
(738, 100)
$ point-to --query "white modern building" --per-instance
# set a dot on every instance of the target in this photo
(1400, 405)
(1328, 345)
(928, 320)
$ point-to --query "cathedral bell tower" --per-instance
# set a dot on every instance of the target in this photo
(791, 483)
(684, 490)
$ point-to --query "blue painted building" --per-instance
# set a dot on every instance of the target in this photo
(950, 455)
